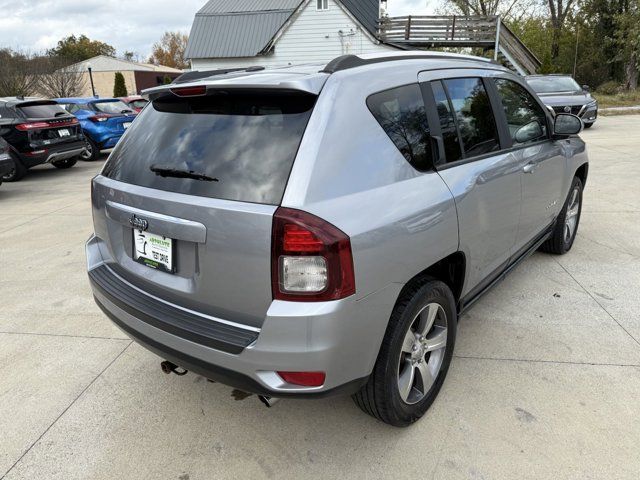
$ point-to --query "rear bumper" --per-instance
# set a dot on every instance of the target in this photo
(104, 138)
(52, 154)
(340, 338)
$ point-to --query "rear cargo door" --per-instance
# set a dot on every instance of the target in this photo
(184, 205)
(48, 123)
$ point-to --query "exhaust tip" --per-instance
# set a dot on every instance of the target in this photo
(268, 401)
(169, 367)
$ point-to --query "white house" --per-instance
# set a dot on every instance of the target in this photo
(240, 33)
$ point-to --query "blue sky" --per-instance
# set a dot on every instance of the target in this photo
(35, 25)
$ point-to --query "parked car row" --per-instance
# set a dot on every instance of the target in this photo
(60, 131)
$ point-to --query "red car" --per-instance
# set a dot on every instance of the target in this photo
(135, 102)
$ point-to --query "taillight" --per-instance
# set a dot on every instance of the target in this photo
(101, 117)
(32, 126)
(190, 91)
(306, 379)
(55, 124)
(311, 260)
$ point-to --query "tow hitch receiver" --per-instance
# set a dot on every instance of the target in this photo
(169, 367)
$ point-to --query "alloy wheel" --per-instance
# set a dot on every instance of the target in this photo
(571, 218)
(422, 353)
(87, 153)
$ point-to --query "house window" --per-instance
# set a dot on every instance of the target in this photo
(322, 4)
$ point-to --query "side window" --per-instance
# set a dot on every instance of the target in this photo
(447, 123)
(401, 113)
(322, 4)
(474, 117)
(526, 119)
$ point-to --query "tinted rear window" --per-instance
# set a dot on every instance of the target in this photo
(138, 103)
(247, 141)
(111, 107)
(42, 110)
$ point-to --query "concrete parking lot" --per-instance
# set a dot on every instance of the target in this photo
(545, 382)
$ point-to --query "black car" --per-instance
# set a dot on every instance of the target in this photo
(38, 131)
(6, 164)
(562, 94)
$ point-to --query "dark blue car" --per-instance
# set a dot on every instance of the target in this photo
(103, 121)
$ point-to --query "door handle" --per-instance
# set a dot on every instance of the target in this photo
(529, 168)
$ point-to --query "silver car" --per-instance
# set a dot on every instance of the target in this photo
(317, 230)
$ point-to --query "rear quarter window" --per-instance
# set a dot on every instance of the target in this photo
(401, 113)
(246, 141)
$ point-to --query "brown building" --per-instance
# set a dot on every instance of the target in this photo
(137, 76)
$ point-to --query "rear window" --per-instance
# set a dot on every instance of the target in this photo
(246, 141)
(42, 110)
(111, 107)
(138, 103)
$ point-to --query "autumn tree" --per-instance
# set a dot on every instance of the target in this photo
(169, 50)
(77, 49)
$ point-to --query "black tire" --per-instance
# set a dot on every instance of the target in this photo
(17, 173)
(92, 152)
(64, 164)
(381, 397)
(588, 125)
(560, 242)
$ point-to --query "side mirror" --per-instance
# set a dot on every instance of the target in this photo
(528, 132)
(566, 124)
(586, 88)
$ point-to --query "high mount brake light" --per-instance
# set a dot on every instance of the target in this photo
(311, 260)
(190, 91)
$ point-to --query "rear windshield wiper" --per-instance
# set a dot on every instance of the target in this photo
(177, 173)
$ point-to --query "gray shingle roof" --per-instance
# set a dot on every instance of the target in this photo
(244, 28)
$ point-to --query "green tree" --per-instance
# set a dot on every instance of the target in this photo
(119, 87)
(77, 49)
(627, 40)
(167, 80)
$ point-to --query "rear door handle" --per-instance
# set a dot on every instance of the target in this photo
(529, 168)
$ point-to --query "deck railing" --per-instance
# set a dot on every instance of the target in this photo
(480, 31)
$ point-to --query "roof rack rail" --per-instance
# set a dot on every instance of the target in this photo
(346, 62)
(197, 75)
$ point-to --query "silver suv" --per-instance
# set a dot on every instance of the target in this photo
(312, 230)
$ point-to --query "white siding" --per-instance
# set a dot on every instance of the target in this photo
(312, 37)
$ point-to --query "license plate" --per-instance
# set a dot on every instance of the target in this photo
(154, 251)
(64, 132)
(126, 125)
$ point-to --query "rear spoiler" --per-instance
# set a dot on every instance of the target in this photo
(198, 75)
(269, 80)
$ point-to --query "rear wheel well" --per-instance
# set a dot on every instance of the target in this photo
(582, 173)
(450, 270)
